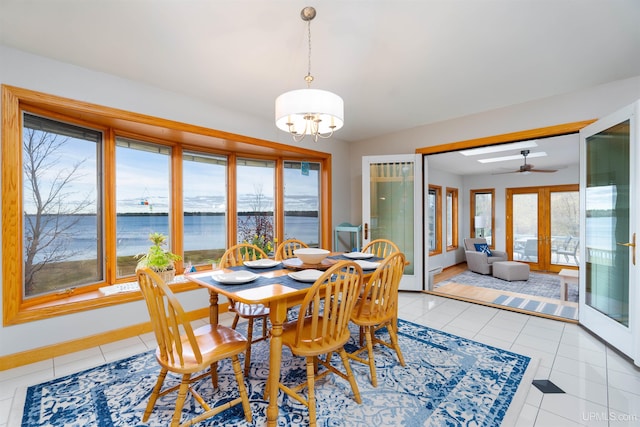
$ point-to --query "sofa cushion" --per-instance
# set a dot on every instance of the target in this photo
(483, 247)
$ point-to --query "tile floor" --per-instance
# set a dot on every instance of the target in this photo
(601, 387)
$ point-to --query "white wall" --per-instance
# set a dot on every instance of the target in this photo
(591, 103)
(44, 75)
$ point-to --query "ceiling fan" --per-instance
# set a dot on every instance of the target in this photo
(527, 167)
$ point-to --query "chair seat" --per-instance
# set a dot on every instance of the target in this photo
(215, 343)
(364, 314)
(249, 310)
(310, 348)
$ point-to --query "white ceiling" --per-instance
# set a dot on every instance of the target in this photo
(397, 64)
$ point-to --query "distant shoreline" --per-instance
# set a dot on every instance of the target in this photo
(308, 214)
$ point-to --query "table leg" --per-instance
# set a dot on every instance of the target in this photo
(563, 289)
(278, 314)
(213, 307)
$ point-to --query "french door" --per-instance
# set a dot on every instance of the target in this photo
(543, 226)
(609, 185)
(392, 209)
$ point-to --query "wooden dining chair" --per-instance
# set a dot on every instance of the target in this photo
(186, 351)
(381, 248)
(233, 257)
(376, 308)
(325, 330)
(286, 248)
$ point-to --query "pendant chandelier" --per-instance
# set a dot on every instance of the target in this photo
(308, 111)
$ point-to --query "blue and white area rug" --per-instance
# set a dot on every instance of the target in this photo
(447, 381)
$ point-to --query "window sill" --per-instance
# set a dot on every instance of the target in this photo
(87, 301)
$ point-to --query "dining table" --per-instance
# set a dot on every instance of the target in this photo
(274, 288)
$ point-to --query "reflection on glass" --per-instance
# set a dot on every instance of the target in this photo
(607, 222)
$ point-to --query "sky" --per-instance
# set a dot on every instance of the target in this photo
(142, 182)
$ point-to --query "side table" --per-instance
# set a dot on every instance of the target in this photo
(355, 240)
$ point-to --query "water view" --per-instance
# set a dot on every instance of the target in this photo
(205, 231)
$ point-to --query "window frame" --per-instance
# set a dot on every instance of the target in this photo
(137, 126)
(472, 213)
(453, 217)
(438, 218)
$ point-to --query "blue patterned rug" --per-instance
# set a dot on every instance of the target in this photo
(542, 285)
(448, 381)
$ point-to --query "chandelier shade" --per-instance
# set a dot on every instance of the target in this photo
(309, 112)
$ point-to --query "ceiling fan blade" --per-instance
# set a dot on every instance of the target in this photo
(543, 170)
(502, 173)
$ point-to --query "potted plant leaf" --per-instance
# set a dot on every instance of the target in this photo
(158, 258)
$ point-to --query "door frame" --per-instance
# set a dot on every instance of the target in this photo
(545, 259)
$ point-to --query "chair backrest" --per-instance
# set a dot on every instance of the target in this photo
(328, 305)
(381, 248)
(239, 253)
(531, 247)
(286, 248)
(170, 324)
(379, 299)
(470, 242)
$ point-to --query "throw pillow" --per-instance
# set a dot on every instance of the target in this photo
(483, 247)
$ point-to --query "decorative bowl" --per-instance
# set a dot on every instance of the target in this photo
(311, 255)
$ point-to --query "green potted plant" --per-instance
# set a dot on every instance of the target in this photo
(158, 258)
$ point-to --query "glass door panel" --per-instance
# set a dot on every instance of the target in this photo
(544, 229)
(565, 228)
(525, 227)
(607, 213)
(609, 205)
(390, 190)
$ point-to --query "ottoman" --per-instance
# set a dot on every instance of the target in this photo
(511, 270)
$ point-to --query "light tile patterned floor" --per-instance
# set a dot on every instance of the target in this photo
(602, 387)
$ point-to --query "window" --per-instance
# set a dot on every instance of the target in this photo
(452, 218)
(62, 231)
(143, 199)
(204, 204)
(434, 209)
(255, 202)
(301, 202)
(83, 187)
(482, 215)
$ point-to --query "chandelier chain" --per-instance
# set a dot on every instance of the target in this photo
(309, 77)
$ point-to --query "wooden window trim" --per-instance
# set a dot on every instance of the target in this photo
(183, 136)
(454, 218)
(472, 212)
(438, 219)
